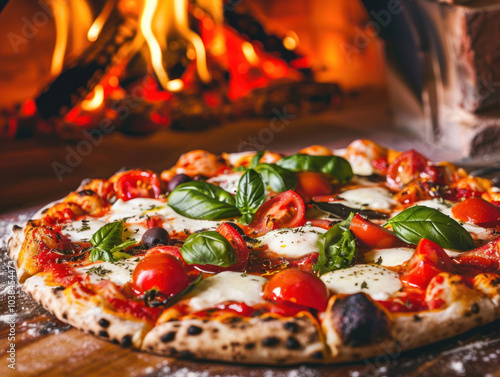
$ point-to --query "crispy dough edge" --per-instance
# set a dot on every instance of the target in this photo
(83, 311)
(263, 340)
(408, 331)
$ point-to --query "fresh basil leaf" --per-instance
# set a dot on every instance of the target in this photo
(250, 195)
(331, 165)
(419, 222)
(208, 247)
(108, 236)
(255, 159)
(107, 243)
(203, 201)
(277, 178)
(337, 248)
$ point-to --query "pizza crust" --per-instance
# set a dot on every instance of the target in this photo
(264, 340)
(86, 312)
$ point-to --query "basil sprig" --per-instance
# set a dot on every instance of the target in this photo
(203, 201)
(255, 159)
(332, 165)
(419, 222)
(107, 243)
(337, 248)
(277, 178)
(208, 247)
(250, 195)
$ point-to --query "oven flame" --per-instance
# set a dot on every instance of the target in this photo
(169, 18)
(94, 100)
(61, 21)
(97, 25)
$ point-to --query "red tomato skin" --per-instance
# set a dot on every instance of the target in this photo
(160, 271)
(485, 258)
(297, 287)
(138, 184)
(286, 210)
(405, 169)
(311, 184)
(240, 249)
(370, 236)
(428, 260)
(477, 211)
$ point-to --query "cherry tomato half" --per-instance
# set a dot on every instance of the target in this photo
(477, 211)
(428, 260)
(369, 235)
(311, 184)
(160, 271)
(298, 287)
(240, 249)
(285, 210)
(405, 168)
(484, 258)
(138, 184)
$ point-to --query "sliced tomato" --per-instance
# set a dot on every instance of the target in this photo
(297, 287)
(311, 184)
(240, 249)
(285, 210)
(176, 252)
(373, 236)
(428, 260)
(320, 223)
(405, 168)
(162, 272)
(409, 300)
(236, 307)
(477, 211)
(484, 258)
(138, 184)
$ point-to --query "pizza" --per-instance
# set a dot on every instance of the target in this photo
(322, 256)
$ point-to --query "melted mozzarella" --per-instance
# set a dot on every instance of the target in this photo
(234, 158)
(390, 257)
(292, 243)
(378, 282)
(361, 165)
(82, 230)
(119, 272)
(227, 286)
(228, 182)
(371, 197)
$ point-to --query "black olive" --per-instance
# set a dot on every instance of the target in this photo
(177, 180)
(154, 237)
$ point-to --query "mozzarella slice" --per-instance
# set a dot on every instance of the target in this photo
(372, 197)
(226, 286)
(82, 230)
(228, 182)
(378, 282)
(292, 242)
(390, 257)
(119, 272)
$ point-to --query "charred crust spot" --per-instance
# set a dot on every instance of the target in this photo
(168, 337)
(358, 320)
(215, 330)
(224, 347)
(86, 193)
(291, 326)
(416, 318)
(126, 341)
(91, 332)
(474, 309)
(16, 228)
(317, 355)
(65, 315)
(269, 319)
(172, 351)
(103, 333)
(249, 346)
(173, 320)
(270, 341)
(292, 343)
(235, 344)
(186, 355)
(194, 330)
(115, 341)
(58, 289)
(44, 211)
(176, 325)
(104, 323)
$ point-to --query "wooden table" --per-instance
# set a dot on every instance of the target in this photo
(47, 347)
